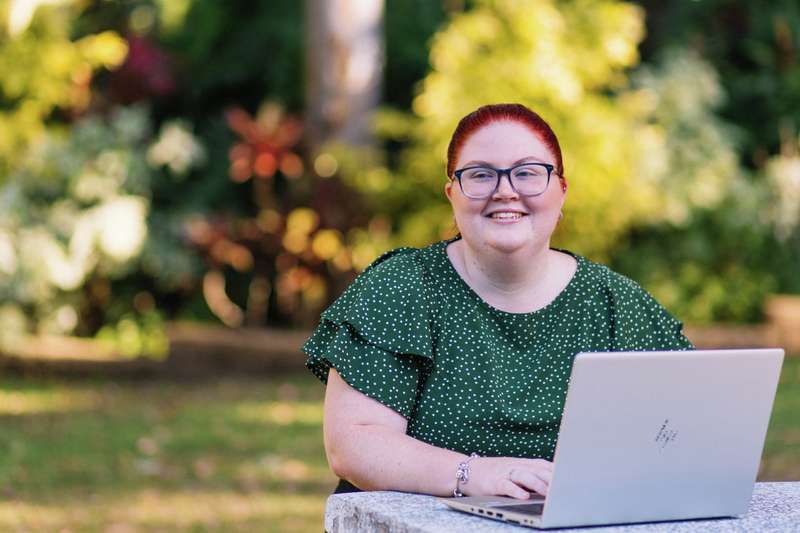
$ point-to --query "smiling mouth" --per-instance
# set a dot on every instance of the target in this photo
(506, 215)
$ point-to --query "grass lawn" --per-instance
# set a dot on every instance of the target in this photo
(233, 455)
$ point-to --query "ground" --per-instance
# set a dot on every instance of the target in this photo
(227, 455)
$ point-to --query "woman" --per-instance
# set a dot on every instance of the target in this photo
(447, 366)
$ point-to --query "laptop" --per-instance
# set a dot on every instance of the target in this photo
(652, 436)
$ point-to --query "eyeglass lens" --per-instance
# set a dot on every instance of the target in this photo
(528, 180)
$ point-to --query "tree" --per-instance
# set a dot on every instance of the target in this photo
(344, 67)
(45, 72)
(753, 46)
(568, 62)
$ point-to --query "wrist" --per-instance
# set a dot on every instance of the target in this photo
(463, 474)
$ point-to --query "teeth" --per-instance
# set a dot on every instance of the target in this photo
(506, 215)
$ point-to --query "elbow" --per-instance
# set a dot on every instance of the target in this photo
(337, 465)
(337, 458)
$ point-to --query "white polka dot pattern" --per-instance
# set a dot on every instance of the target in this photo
(410, 333)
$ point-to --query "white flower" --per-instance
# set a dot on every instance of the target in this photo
(121, 226)
(176, 148)
(783, 173)
(66, 269)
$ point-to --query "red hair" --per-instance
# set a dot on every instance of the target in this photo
(488, 114)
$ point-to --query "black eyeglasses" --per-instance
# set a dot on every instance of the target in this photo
(527, 179)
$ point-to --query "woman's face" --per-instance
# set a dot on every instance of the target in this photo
(503, 145)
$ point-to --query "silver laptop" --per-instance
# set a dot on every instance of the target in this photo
(652, 436)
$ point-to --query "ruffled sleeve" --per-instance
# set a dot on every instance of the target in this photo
(639, 322)
(377, 335)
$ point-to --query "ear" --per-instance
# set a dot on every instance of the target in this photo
(448, 189)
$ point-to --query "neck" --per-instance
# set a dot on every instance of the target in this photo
(511, 274)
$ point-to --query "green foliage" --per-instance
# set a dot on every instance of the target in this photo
(717, 267)
(44, 71)
(753, 46)
(74, 218)
(409, 27)
(655, 182)
(76, 206)
(782, 208)
(686, 252)
(137, 334)
(691, 153)
(239, 51)
(566, 63)
(656, 186)
(569, 63)
(721, 240)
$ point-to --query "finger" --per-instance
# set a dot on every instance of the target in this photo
(529, 480)
(543, 464)
(545, 475)
(509, 488)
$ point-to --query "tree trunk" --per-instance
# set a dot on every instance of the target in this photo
(344, 66)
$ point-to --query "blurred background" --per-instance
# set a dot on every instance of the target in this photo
(186, 184)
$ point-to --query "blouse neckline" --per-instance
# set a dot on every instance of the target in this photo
(552, 305)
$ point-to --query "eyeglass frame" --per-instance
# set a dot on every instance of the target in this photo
(500, 172)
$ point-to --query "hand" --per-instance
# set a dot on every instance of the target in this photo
(508, 476)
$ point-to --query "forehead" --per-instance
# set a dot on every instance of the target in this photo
(503, 143)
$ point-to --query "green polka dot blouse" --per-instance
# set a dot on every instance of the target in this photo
(410, 333)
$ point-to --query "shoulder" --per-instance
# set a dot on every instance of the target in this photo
(636, 321)
(388, 304)
(621, 296)
(393, 281)
(393, 262)
(611, 282)
(641, 321)
(394, 273)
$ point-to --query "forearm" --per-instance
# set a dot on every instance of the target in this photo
(378, 458)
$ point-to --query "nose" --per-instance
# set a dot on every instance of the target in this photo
(504, 188)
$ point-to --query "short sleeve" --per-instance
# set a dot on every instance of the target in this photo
(640, 323)
(377, 334)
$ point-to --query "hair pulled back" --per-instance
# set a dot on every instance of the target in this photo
(488, 114)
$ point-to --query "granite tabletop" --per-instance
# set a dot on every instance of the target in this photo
(775, 507)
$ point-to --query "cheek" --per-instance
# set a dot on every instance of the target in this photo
(463, 206)
(467, 216)
(464, 215)
(549, 202)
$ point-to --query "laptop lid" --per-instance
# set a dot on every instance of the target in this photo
(651, 436)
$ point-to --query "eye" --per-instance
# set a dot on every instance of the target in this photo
(528, 172)
(480, 174)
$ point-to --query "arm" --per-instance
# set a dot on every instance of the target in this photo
(366, 443)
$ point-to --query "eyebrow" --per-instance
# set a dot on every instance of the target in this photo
(517, 162)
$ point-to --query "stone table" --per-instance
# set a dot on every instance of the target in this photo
(775, 507)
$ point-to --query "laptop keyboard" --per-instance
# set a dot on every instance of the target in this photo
(524, 508)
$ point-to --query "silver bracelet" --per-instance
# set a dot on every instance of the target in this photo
(462, 474)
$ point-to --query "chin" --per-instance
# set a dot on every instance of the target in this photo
(509, 242)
